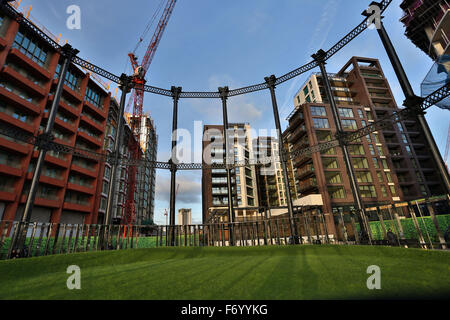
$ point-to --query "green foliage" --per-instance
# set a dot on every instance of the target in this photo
(426, 225)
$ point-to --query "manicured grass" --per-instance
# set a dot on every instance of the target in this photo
(297, 272)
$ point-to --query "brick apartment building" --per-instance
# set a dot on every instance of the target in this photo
(391, 165)
(271, 190)
(70, 188)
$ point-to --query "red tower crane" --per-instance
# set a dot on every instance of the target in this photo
(137, 100)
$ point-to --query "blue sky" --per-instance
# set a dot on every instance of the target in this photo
(212, 43)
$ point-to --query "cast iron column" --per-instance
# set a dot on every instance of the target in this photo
(228, 160)
(320, 59)
(412, 101)
(173, 162)
(282, 154)
(44, 142)
(125, 85)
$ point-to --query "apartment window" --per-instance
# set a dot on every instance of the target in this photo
(368, 191)
(330, 163)
(310, 85)
(322, 136)
(349, 124)
(16, 90)
(389, 177)
(393, 192)
(321, 123)
(372, 150)
(384, 192)
(356, 149)
(333, 177)
(364, 177)
(363, 123)
(93, 97)
(380, 177)
(419, 176)
(375, 163)
(369, 115)
(336, 192)
(360, 163)
(318, 111)
(47, 192)
(105, 187)
(404, 139)
(377, 139)
(423, 190)
(408, 149)
(17, 114)
(368, 138)
(360, 113)
(30, 48)
(298, 99)
(305, 90)
(346, 113)
(103, 204)
(380, 150)
(331, 151)
(385, 164)
(308, 99)
(72, 81)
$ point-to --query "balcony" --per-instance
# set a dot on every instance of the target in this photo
(100, 111)
(74, 94)
(440, 39)
(77, 206)
(89, 137)
(53, 181)
(86, 118)
(67, 106)
(16, 77)
(29, 64)
(14, 144)
(297, 133)
(24, 125)
(82, 168)
(307, 185)
(305, 171)
(82, 188)
(16, 100)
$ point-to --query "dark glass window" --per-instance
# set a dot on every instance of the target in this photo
(30, 48)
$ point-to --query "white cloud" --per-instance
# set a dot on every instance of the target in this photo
(240, 108)
(189, 191)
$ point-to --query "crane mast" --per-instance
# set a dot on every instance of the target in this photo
(137, 100)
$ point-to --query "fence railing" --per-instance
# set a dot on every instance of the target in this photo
(422, 224)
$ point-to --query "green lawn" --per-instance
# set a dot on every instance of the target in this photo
(299, 272)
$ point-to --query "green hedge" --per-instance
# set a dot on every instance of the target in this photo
(143, 242)
(409, 229)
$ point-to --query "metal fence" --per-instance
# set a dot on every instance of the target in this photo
(423, 224)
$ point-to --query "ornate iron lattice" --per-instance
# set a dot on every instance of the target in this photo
(202, 95)
(401, 115)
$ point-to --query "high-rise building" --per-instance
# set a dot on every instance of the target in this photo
(391, 165)
(214, 181)
(271, 187)
(28, 78)
(427, 25)
(145, 187)
(71, 189)
(184, 217)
